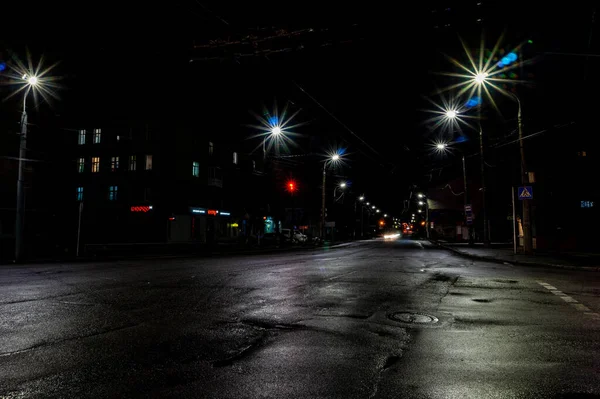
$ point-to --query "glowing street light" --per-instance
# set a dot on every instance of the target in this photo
(441, 146)
(480, 78)
(361, 198)
(342, 186)
(29, 82)
(377, 211)
(368, 203)
(451, 114)
(373, 207)
(385, 215)
(421, 203)
(334, 158)
(420, 195)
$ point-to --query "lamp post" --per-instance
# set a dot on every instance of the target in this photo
(527, 236)
(443, 147)
(361, 199)
(426, 203)
(31, 82)
(334, 158)
(342, 186)
(480, 79)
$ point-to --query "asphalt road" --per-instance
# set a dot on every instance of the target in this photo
(368, 320)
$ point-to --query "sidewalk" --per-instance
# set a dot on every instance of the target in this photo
(501, 253)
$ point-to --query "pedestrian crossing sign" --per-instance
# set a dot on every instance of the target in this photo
(525, 192)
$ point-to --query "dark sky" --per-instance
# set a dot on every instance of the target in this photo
(370, 66)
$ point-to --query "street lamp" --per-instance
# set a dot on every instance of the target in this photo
(31, 81)
(334, 158)
(342, 186)
(466, 193)
(361, 198)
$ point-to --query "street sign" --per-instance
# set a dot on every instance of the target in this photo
(469, 214)
(525, 193)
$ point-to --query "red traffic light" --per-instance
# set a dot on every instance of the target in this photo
(291, 186)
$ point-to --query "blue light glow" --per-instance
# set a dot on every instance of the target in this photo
(273, 121)
(473, 101)
(461, 139)
(512, 56)
(2, 66)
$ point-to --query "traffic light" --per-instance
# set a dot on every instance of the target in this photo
(291, 186)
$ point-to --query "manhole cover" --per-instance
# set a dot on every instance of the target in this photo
(413, 318)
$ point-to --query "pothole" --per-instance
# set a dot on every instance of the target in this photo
(413, 318)
(482, 300)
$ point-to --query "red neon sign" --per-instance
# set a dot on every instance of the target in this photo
(212, 212)
(143, 208)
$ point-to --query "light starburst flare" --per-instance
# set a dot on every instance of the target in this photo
(28, 77)
(276, 130)
(485, 72)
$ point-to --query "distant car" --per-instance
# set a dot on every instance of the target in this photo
(296, 236)
(299, 237)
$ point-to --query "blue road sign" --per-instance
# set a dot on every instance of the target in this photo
(525, 193)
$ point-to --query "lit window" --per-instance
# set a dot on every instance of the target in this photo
(211, 148)
(235, 158)
(95, 164)
(112, 193)
(81, 137)
(97, 134)
(80, 165)
(148, 162)
(114, 164)
(79, 193)
(196, 169)
(132, 163)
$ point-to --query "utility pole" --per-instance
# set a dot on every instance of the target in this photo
(20, 218)
(527, 236)
(323, 203)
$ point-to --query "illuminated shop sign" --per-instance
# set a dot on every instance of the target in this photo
(211, 212)
(141, 208)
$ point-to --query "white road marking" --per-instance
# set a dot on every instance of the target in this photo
(559, 293)
(571, 301)
(568, 299)
(581, 307)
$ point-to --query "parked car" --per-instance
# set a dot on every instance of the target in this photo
(295, 236)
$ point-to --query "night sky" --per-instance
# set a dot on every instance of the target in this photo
(371, 67)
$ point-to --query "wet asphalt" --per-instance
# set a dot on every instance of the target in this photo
(372, 319)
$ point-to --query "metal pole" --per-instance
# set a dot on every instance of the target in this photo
(514, 221)
(527, 236)
(486, 239)
(466, 197)
(427, 216)
(362, 221)
(79, 228)
(20, 216)
(323, 203)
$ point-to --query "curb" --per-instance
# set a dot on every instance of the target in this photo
(117, 258)
(516, 262)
